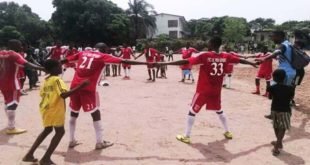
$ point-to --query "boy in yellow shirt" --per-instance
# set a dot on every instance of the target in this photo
(52, 109)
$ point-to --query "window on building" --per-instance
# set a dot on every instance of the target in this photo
(173, 34)
(262, 38)
(172, 23)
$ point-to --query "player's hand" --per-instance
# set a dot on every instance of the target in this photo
(259, 60)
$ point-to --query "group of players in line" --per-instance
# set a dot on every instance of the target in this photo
(89, 64)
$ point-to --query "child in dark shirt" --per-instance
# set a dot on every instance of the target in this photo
(281, 96)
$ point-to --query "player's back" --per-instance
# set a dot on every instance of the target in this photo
(90, 65)
(9, 67)
(211, 72)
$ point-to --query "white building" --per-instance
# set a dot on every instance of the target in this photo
(172, 25)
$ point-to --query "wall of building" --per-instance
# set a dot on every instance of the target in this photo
(162, 25)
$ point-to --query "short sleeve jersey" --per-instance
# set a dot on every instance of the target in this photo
(71, 52)
(127, 52)
(151, 54)
(89, 67)
(266, 66)
(56, 53)
(187, 53)
(10, 63)
(50, 93)
(211, 71)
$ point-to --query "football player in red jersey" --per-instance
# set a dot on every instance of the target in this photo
(89, 67)
(150, 54)
(187, 53)
(56, 52)
(264, 72)
(10, 63)
(230, 67)
(126, 53)
(209, 85)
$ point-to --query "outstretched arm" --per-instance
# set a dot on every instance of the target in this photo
(34, 66)
(131, 62)
(246, 62)
(139, 55)
(180, 62)
(67, 94)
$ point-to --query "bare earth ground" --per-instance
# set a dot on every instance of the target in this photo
(143, 118)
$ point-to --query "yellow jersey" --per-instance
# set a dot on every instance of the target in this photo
(53, 106)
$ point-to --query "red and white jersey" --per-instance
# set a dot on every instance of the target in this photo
(57, 52)
(127, 52)
(266, 66)
(151, 54)
(10, 63)
(71, 52)
(211, 71)
(187, 53)
(89, 67)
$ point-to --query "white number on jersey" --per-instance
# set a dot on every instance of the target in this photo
(86, 62)
(218, 69)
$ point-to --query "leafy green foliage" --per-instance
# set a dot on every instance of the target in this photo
(15, 19)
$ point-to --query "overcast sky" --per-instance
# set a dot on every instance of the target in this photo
(280, 10)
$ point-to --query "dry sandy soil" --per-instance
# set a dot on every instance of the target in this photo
(143, 118)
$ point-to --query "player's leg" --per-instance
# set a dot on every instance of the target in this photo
(125, 70)
(29, 157)
(119, 70)
(257, 84)
(150, 73)
(100, 143)
(222, 117)
(197, 102)
(214, 103)
(268, 82)
(59, 133)
(11, 99)
(75, 106)
(183, 75)
(128, 71)
(157, 72)
(191, 75)
(154, 74)
(72, 127)
(228, 80)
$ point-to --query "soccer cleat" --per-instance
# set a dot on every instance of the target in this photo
(256, 93)
(184, 139)
(73, 143)
(228, 135)
(103, 145)
(15, 131)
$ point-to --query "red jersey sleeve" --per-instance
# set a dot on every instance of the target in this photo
(196, 60)
(74, 57)
(195, 50)
(233, 59)
(18, 58)
(110, 59)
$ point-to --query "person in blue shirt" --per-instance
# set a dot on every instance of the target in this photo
(284, 53)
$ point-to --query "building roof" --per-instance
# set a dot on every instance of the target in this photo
(182, 17)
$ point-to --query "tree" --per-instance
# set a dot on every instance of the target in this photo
(142, 16)
(9, 32)
(262, 23)
(29, 24)
(235, 29)
(87, 21)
